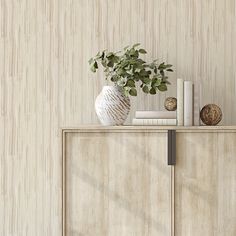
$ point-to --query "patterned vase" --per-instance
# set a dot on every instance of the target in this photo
(112, 106)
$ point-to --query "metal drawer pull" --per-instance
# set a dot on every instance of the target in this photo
(171, 147)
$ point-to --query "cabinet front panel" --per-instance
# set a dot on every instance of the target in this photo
(205, 184)
(117, 184)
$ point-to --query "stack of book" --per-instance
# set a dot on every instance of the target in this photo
(188, 103)
(188, 108)
(155, 118)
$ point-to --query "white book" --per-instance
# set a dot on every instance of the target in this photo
(196, 103)
(188, 103)
(180, 102)
(155, 115)
(154, 122)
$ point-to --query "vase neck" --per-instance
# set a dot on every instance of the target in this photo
(111, 87)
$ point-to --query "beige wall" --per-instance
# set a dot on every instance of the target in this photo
(45, 82)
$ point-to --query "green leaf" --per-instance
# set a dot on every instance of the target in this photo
(167, 82)
(104, 63)
(155, 77)
(136, 77)
(140, 61)
(121, 82)
(92, 68)
(130, 83)
(110, 64)
(137, 70)
(170, 70)
(124, 63)
(110, 54)
(162, 73)
(103, 55)
(151, 66)
(168, 65)
(126, 92)
(126, 68)
(132, 52)
(91, 61)
(136, 45)
(145, 89)
(115, 59)
(146, 80)
(120, 71)
(152, 91)
(143, 51)
(144, 73)
(157, 83)
(114, 78)
(162, 87)
(133, 92)
(162, 66)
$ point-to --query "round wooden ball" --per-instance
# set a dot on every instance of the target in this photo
(211, 114)
(170, 104)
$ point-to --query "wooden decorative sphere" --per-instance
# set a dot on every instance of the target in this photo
(170, 104)
(211, 114)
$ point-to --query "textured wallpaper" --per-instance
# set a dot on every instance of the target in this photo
(45, 82)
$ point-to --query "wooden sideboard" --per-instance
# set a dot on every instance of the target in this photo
(117, 181)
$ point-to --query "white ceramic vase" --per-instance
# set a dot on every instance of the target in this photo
(112, 106)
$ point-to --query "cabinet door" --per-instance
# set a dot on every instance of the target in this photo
(117, 184)
(205, 184)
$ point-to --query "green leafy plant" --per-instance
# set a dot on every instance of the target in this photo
(127, 70)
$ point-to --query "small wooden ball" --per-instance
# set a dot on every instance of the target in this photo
(170, 104)
(211, 114)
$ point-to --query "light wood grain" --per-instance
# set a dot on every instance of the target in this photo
(205, 184)
(149, 128)
(45, 82)
(117, 184)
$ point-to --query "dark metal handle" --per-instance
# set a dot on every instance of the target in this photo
(171, 147)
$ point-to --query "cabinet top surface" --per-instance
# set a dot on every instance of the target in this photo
(124, 128)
